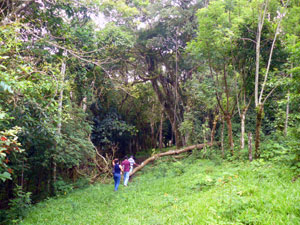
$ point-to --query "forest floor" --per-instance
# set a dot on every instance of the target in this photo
(189, 191)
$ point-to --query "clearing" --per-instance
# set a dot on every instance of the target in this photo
(189, 191)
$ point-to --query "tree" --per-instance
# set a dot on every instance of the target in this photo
(291, 27)
(219, 22)
(40, 90)
(157, 55)
(264, 8)
(162, 43)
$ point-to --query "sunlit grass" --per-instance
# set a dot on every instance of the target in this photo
(183, 192)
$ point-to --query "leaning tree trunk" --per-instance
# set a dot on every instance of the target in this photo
(259, 117)
(171, 152)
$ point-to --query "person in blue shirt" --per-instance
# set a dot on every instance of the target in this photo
(117, 173)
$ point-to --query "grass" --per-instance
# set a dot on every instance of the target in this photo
(183, 192)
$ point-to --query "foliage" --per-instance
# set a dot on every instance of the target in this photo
(294, 149)
(19, 206)
(201, 103)
(111, 130)
(9, 147)
(62, 187)
(74, 148)
(31, 83)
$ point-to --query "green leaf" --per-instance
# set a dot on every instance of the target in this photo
(5, 88)
(5, 176)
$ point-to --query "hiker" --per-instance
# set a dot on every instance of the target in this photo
(117, 171)
(132, 163)
(126, 168)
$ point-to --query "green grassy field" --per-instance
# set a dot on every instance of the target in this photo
(183, 192)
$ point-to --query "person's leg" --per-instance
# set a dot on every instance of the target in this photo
(126, 178)
(117, 181)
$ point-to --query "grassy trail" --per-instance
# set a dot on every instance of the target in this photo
(183, 192)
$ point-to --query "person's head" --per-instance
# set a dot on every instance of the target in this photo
(116, 161)
(131, 156)
(126, 157)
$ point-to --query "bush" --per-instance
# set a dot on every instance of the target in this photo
(19, 206)
(62, 187)
(283, 149)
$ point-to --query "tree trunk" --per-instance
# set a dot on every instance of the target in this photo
(286, 123)
(48, 185)
(230, 136)
(259, 117)
(84, 104)
(152, 126)
(172, 139)
(167, 106)
(222, 139)
(59, 124)
(60, 100)
(250, 146)
(153, 141)
(160, 131)
(213, 130)
(243, 117)
(171, 152)
(261, 19)
(178, 136)
(54, 168)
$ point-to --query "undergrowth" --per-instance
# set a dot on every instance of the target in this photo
(188, 191)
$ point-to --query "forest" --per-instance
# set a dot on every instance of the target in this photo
(84, 82)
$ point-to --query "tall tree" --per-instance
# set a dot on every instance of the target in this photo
(163, 42)
(162, 28)
(265, 8)
(219, 22)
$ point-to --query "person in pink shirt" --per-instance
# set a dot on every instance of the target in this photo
(126, 168)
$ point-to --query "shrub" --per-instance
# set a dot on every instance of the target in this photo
(19, 206)
(62, 187)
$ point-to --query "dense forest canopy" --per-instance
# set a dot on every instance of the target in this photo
(82, 82)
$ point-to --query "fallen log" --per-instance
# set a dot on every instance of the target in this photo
(171, 152)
